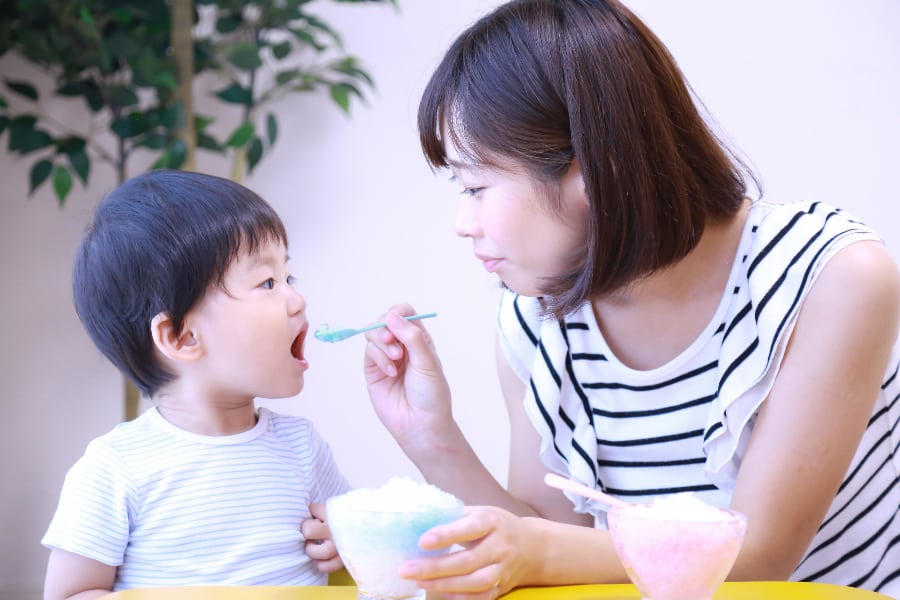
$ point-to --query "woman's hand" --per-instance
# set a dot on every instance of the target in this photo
(406, 381)
(319, 544)
(493, 560)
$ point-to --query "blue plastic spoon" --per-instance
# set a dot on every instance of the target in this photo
(326, 334)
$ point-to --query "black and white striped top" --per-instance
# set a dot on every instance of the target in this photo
(684, 426)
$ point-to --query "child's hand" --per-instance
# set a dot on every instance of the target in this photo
(319, 545)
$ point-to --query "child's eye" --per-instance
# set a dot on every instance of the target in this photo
(268, 284)
(291, 280)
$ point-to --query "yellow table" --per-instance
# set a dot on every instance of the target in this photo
(756, 590)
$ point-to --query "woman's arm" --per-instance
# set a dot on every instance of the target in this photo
(412, 398)
(526, 471)
(74, 577)
(809, 427)
(502, 550)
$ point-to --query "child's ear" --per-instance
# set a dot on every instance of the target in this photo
(180, 346)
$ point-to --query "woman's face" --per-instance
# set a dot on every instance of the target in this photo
(514, 233)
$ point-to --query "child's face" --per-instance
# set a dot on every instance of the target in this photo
(252, 329)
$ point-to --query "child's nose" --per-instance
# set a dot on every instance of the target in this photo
(296, 301)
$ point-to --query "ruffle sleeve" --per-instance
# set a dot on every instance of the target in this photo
(791, 245)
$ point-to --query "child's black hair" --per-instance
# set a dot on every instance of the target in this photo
(157, 244)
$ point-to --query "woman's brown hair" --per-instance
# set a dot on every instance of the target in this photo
(543, 83)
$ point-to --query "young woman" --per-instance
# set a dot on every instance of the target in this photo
(660, 331)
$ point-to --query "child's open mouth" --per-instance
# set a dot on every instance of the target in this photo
(297, 345)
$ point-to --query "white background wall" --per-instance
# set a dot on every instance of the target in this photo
(808, 89)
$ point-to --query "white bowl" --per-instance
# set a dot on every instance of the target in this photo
(374, 541)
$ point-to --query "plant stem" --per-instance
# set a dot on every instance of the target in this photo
(183, 52)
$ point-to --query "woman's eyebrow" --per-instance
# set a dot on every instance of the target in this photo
(458, 165)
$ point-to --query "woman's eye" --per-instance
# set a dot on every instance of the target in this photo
(268, 283)
(466, 191)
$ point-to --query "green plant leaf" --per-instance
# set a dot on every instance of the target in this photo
(62, 183)
(307, 38)
(131, 125)
(121, 96)
(241, 135)
(281, 50)
(228, 23)
(39, 174)
(76, 149)
(166, 79)
(244, 56)
(208, 142)
(271, 128)
(23, 88)
(85, 16)
(25, 121)
(121, 14)
(349, 65)
(285, 77)
(324, 28)
(126, 47)
(176, 154)
(172, 117)
(341, 96)
(24, 137)
(340, 93)
(3, 103)
(160, 162)
(153, 140)
(201, 122)
(87, 88)
(254, 153)
(236, 94)
(81, 164)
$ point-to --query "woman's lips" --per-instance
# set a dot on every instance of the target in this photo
(490, 263)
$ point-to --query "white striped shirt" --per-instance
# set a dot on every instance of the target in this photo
(169, 507)
(684, 426)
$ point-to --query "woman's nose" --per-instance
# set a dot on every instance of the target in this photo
(466, 224)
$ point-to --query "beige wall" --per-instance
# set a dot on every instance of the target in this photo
(808, 90)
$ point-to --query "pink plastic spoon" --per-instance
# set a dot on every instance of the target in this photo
(556, 481)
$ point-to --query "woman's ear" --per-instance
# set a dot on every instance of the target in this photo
(573, 183)
(174, 345)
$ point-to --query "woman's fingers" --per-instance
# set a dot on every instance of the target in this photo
(415, 338)
(481, 570)
(377, 362)
(383, 351)
(487, 580)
